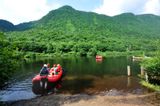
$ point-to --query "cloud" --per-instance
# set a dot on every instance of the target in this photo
(115, 7)
(152, 6)
(18, 11)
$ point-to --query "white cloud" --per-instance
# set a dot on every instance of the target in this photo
(18, 11)
(115, 7)
(152, 6)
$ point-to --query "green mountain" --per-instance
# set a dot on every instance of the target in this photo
(66, 29)
(67, 19)
(6, 25)
(75, 20)
(24, 26)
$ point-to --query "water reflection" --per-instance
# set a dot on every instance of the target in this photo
(93, 84)
(99, 60)
(84, 75)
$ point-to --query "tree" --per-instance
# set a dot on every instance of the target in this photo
(7, 60)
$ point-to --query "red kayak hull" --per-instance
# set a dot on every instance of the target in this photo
(51, 78)
(46, 83)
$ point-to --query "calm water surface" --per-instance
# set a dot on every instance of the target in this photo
(84, 75)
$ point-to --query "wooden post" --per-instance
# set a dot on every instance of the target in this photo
(142, 71)
(129, 70)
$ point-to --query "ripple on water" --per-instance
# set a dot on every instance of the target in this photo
(17, 91)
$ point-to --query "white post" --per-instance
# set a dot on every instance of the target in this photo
(129, 70)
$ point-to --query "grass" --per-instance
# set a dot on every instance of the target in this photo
(150, 86)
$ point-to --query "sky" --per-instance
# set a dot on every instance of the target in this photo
(19, 11)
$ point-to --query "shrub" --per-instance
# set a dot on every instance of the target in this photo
(152, 67)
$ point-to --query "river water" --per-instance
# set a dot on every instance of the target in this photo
(84, 75)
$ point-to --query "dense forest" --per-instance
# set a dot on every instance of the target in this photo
(66, 30)
(8, 59)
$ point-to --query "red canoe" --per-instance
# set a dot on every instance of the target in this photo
(45, 83)
(99, 57)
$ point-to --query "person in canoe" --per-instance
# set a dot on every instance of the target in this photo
(55, 69)
(44, 70)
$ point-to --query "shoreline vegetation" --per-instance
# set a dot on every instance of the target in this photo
(152, 73)
(141, 54)
(150, 86)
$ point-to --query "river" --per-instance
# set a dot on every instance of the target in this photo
(84, 75)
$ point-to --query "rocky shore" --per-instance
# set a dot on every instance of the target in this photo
(103, 99)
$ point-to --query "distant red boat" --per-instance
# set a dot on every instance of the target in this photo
(99, 57)
(45, 83)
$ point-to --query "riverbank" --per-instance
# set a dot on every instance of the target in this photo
(150, 86)
(30, 55)
(103, 99)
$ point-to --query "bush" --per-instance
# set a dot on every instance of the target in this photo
(152, 67)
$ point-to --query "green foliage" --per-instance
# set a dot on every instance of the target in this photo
(67, 30)
(7, 60)
(151, 86)
(152, 67)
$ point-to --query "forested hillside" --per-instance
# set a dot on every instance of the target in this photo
(6, 25)
(67, 30)
(8, 59)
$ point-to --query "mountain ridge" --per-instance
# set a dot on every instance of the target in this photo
(66, 8)
(67, 19)
(6, 25)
